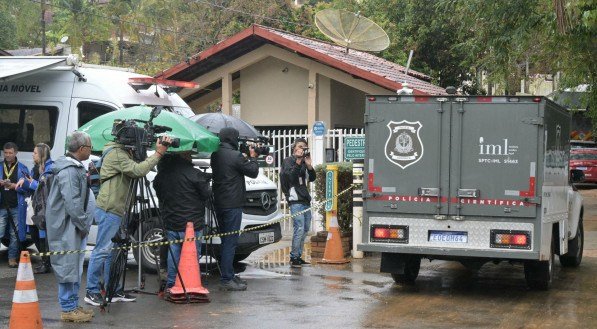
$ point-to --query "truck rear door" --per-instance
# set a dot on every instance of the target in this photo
(408, 150)
(493, 166)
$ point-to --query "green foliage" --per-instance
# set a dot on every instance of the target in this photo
(344, 201)
(8, 28)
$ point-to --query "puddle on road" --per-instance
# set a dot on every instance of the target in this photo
(280, 258)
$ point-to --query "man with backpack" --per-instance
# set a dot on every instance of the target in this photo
(117, 171)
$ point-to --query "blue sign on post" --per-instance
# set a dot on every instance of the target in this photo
(319, 128)
(329, 190)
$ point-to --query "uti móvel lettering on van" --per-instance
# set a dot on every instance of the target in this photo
(20, 88)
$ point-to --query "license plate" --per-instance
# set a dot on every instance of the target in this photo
(265, 238)
(448, 236)
(582, 168)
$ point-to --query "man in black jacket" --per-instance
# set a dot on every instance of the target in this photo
(182, 191)
(297, 171)
(229, 167)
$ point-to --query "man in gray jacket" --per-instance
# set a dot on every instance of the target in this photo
(69, 212)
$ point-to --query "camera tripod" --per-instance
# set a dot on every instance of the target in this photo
(141, 207)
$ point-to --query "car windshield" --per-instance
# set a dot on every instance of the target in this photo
(583, 156)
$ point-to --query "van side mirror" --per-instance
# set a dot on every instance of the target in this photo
(577, 176)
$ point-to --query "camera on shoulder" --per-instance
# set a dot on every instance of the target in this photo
(138, 138)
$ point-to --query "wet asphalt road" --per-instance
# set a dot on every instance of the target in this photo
(446, 295)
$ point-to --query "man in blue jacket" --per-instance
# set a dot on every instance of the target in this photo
(12, 201)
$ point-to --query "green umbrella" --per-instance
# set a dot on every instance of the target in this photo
(192, 135)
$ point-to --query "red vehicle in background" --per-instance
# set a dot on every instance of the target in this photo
(585, 159)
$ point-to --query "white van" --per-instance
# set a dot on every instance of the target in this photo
(43, 99)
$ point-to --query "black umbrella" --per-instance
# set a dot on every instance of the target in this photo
(214, 122)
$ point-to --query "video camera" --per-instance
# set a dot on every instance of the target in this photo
(260, 149)
(139, 139)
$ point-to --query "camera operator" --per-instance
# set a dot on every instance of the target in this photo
(182, 191)
(297, 171)
(117, 171)
(229, 167)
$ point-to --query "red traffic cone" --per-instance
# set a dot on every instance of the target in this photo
(25, 305)
(188, 267)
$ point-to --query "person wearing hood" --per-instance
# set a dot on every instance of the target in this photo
(117, 172)
(39, 174)
(69, 210)
(229, 168)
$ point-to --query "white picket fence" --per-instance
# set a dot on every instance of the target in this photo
(282, 141)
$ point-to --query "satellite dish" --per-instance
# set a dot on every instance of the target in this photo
(64, 39)
(351, 30)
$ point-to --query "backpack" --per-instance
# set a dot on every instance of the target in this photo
(39, 200)
(94, 170)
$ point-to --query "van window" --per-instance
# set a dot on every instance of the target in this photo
(27, 125)
(89, 111)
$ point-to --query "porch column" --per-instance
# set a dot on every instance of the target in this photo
(227, 93)
(312, 99)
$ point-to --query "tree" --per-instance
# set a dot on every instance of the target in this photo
(8, 29)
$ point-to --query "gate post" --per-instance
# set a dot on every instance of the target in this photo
(357, 207)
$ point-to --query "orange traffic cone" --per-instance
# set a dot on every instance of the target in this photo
(25, 306)
(188, 267)
(333, 253)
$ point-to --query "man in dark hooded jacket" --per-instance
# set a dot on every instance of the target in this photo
(229, 168)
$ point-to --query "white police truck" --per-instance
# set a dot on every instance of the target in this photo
(471, 179)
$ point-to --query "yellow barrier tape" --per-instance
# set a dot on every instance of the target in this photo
(316, 206)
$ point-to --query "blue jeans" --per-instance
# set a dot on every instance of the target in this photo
(229, 220)
(99, 261)
(301, 225)
(68, 293)
(13, 247)
(176, 249)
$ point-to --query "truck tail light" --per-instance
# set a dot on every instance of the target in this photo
(510, 239)
(389, 233)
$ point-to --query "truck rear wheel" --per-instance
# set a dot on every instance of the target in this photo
(575, 248)
(412, 264)
(539, 274)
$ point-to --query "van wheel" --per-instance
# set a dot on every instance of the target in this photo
(539, 274)
(152, 231)
(575, 248)
(412, 265)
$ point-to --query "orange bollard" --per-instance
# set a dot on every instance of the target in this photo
(190, 273)
(25, 305)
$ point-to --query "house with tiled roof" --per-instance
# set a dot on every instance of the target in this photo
(289, 80)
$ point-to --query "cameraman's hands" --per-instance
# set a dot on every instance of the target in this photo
(308, 162)
(252, 152)
(161, 146)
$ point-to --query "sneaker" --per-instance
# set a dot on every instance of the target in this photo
(12, 263)
(232, 286)
(86, 311)
(121, 296)
(239, 280)
(94, 299)
(296, 263)
(75, 316)
(303, 262)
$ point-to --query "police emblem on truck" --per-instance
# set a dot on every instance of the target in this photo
(403, 146)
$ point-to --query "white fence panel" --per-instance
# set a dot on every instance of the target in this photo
(282, 142)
